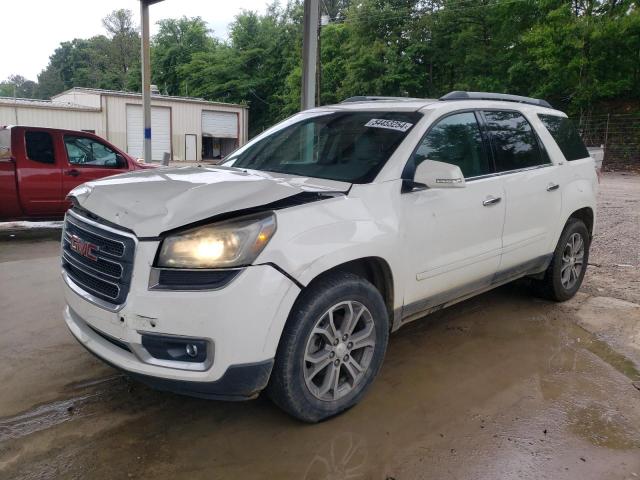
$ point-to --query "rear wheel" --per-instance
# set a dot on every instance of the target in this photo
(331, 349)
(569, 263)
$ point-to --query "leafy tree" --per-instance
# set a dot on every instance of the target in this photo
(579, 54)
(124, 50)
(18, 86)
(174, 45)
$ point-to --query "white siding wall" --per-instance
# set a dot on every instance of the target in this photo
(111, 122)
(52, 118)
(186, 119)
(77, 97)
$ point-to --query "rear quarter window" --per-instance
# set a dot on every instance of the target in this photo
(566, 136)
(39, 147)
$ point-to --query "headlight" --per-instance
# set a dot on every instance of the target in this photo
(229, 243)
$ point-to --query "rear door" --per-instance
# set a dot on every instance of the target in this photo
(39, 169)
(88, 159)
(532, 191)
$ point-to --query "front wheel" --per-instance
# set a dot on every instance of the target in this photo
(331, 349)
(569, 263)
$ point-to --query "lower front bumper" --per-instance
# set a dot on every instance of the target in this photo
(239, 382)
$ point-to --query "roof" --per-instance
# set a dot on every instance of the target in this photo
(400, 104)
(118, 93)
(382, 104)
(36, 103)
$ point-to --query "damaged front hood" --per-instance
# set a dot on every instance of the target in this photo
(150, 202)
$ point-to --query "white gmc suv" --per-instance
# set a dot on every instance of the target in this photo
(287, 267)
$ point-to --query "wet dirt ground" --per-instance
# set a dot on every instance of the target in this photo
(501, 386)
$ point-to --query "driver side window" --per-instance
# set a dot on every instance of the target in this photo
(455, 139)
(84, 151)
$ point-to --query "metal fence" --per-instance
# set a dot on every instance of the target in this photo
(620, 136)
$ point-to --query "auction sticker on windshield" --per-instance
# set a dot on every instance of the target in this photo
(389, 124)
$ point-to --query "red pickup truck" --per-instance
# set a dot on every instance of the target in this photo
(40, 166)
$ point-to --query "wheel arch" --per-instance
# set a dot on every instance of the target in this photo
(374, 269)
(585, 214)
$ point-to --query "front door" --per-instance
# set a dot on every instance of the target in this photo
(453, 235)
(39, 167)
(88, 159)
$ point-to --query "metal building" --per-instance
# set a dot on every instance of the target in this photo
(187, 128)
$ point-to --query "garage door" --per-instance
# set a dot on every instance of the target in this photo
(160, 131)
(219, 124)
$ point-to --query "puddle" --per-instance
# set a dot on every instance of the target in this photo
(618, 361)
(498, 387)
(604, 427)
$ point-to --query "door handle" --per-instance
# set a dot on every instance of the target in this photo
(552, 186)
(72, 173)
(491, 200)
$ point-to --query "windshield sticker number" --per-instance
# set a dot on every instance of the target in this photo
(389, 124)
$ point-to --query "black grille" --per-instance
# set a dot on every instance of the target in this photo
(111, 340)
(194, 279)
(98, 260)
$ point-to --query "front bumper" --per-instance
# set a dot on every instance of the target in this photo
(242, 322)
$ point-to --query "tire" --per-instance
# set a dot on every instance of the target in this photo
(554, 286)
(298, 385)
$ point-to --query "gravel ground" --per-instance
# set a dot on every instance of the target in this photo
(615, 251)
(501, 386)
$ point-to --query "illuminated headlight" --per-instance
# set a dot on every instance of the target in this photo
(230, 243)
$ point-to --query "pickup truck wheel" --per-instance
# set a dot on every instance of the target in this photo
(569, 263)
(331, 349)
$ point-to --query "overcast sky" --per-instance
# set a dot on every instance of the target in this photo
(32, 29)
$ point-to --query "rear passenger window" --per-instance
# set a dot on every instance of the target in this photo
(455, 139)
(39, 147)
(514, 142)
(566, 136)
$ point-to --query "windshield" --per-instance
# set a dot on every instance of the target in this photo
(344, 146)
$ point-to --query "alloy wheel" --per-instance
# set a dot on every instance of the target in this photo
(572, 261)
(339, 350)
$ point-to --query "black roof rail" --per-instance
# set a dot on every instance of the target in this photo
(460, 95)
(373, 98)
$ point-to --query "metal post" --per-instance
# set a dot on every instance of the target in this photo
(309, 53)
(146, 75)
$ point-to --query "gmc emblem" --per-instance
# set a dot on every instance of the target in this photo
(86, 249)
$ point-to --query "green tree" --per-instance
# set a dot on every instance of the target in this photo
(174, 45)
(18, 86)
(124, 50)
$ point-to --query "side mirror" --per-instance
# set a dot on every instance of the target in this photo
(439, 175)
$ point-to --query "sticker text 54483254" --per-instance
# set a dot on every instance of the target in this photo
(389, 124)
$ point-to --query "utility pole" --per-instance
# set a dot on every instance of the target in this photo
(309, 53)
(146, 75)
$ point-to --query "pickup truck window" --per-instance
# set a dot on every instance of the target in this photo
(455, 139)
(39, 147)
(514, 143)
(566, 136)
(344, 146)
(84, 151)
